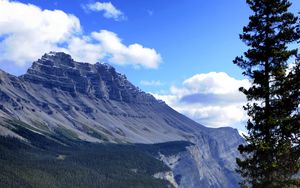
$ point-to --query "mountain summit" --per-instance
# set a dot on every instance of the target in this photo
(94, 103)
(59, 71)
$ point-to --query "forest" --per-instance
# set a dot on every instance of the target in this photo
(57, 161)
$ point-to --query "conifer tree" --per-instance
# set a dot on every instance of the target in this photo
(270, 156)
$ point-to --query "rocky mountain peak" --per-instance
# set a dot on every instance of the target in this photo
(57, 59)
(93, 102)
(57, 70)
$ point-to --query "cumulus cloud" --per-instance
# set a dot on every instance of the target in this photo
(108, 9)
(27, 31)
(134, 54)
(213, 82)
(212, 99)
(30, 32)
(84, 49)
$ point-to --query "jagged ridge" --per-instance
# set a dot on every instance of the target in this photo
(95, 103)
(60, 71)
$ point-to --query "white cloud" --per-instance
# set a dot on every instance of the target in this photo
(30, 32)
(151, 83)
(83, 49)
(134, 54)
(291, 66)
(213, 82)
(212, 99)
(108, 9)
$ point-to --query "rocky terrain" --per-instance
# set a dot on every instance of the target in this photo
(94, 103)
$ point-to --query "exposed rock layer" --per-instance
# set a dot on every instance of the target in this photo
(96, 104)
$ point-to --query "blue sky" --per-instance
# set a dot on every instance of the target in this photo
(189, 46)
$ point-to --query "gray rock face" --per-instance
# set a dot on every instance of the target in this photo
(59, 71)
(97, 104)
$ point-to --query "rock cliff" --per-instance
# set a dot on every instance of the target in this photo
(94, 103)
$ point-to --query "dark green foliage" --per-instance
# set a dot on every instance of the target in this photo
(46, 162)
(271, 156)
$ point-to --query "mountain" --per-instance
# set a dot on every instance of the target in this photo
(96, 104)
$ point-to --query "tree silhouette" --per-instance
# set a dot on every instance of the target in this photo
(270, 157)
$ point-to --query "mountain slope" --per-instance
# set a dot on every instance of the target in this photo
(45, 162)
(95, 103)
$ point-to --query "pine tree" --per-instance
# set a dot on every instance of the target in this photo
(270, 157)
